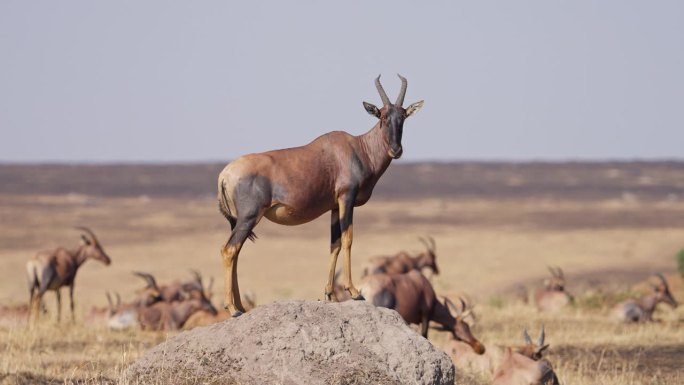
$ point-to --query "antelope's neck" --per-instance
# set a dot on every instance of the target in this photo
(442, 316)
(649, 302)
(376, 146)
(79, 255)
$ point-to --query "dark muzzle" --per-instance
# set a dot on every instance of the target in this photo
(395, 153)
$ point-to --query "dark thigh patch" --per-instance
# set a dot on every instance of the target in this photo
(385, 299)
(252, 193)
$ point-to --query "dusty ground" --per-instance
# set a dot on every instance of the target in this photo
(486, 247)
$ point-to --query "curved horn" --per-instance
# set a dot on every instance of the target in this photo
(433, 245)
(151, 282)
(198, 278)
(381, 91)
(449, 304)
(210, 287)
(527, 338)
(109, 300)
(560, 272)
(402, 92)
(463, 304)
(662, 279)
(542, 336)
(89, 232)
(424, 242)
(552, 271)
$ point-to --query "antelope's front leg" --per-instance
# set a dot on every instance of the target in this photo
(335, 245)
(71, 302)
(346, 208)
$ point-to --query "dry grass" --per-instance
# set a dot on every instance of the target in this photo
(484, 249)
(586, 346)
(51, 354)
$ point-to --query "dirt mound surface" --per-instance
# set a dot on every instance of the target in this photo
(298, 342)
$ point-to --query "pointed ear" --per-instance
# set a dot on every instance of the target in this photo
(541, 349)
(413, 108)
(371, 109)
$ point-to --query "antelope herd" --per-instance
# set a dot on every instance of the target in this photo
(401, 282)
(336, 172)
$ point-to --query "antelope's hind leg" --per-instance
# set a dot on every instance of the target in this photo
(230, 252)
(335, 246)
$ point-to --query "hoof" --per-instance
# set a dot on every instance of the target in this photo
(237, 314)
(358, 298)
(330, 298)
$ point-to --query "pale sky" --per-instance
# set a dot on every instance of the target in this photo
(196, 81)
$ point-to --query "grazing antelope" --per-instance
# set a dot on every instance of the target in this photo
(56, 268)
(336, 172)
(553, 296)
(641, 310)
(525, 365)
(464, 357)
(413, 297)
(402, 262)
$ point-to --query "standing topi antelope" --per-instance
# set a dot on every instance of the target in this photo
(553, 296)
(336, 172)
(413, 297)
(56, 268)
(403, 262)
(525, 365)
(641, 310)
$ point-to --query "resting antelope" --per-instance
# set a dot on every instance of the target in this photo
(525, 365)
(56, 268)
(403, 262)
(172, 316)
(413, 297)
(169, 292)
(641, 310)
(553, 296)
(160, 315)
(204, 318)
(336, 172)
(122, 316)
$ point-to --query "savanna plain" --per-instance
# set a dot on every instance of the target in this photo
(497, 227)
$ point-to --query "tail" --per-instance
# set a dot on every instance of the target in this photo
(225, 210)
(32, 276)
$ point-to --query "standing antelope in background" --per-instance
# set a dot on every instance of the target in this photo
(402, 262)
(56, 268)
(553, 296)
(641, 310)
(525, 365)
(336, 172)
